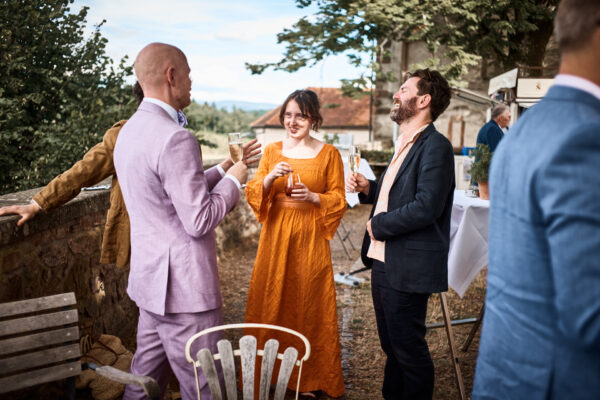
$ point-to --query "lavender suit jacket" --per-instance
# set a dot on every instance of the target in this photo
(174, 206)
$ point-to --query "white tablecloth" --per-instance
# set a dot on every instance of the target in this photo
(468, 240)
(363, 168)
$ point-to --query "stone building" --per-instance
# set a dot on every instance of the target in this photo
(470, 105)
(460, 122)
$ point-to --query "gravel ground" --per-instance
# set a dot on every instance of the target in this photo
(362, 358)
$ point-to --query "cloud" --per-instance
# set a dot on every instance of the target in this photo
(246, 31)
(218, 38)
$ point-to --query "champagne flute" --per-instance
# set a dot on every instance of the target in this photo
(236, 149)
(353, 159)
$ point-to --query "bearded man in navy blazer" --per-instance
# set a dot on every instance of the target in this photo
(406, 242)
(541, 330)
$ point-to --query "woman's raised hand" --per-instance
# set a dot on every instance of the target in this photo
(281, 169)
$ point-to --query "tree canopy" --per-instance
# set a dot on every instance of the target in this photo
(461, 33)
(59, 91)
(208, 117)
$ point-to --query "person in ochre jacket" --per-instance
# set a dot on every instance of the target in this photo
(408, 235)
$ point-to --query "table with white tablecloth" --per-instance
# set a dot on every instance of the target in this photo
(468, 240)
(468, 255)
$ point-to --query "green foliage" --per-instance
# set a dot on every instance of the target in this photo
(207, 117)
(59, 91)
(377, 156)
(458, 34)
(332, 139)
(481, 166)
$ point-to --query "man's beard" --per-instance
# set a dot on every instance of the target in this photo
(406, 111)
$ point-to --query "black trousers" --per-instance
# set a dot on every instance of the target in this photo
(401, 327)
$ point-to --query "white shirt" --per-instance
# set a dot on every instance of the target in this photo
(170, 110)
(577, 82)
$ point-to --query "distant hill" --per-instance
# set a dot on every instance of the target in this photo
(244, 105)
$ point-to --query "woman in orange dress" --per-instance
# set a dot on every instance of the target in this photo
(292, 280)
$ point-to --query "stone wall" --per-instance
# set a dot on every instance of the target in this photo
(60, 251)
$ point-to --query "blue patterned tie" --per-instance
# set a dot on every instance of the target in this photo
(181, 119)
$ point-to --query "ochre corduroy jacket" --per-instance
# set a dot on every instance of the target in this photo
(96, 165)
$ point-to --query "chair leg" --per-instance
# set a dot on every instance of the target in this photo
(474, 329)
(71, 387)
(347, 235)
(343, 245)
(453, 354)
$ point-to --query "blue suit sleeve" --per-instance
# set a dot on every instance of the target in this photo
(569, 190)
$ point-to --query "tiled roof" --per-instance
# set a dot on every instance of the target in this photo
(337, 111)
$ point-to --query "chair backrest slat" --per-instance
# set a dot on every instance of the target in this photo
(39, 341)
(207, 363)
(285, 371)
(39, 358)
(248, 353)
(36, 322)
(248, 359)
(38, 376)
(39, 304)
(31, 342)
(228, 365)
(266, 370)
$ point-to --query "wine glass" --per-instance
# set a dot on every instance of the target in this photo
(236, 149)
(353, 159)
(292, 183)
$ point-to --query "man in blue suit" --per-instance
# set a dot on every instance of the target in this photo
(492, 132)
(541, 330)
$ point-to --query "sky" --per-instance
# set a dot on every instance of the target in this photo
(218, 37)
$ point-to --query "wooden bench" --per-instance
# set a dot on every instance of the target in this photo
(39, 343)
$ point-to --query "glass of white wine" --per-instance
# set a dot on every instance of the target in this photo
(236, 151)
(354, 159)
(236, 148)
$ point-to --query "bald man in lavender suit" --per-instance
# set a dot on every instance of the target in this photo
(174, 206)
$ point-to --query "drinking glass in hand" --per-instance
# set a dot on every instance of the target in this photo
(236, 151)
(354, 159)
(292, 183)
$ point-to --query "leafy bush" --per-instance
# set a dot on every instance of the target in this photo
(377, 155)
(59, 91)
(481, 166)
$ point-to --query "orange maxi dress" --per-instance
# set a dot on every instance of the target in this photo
(292, 280)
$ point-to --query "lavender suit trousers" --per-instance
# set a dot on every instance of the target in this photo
(161, 350)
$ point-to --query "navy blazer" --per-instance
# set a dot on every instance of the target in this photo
(490, 134)
(416, 227)
(541, 330)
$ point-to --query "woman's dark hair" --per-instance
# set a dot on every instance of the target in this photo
(434, 84)
(137, 91)
(308, 101)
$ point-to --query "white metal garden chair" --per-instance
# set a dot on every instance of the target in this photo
(247, 352)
